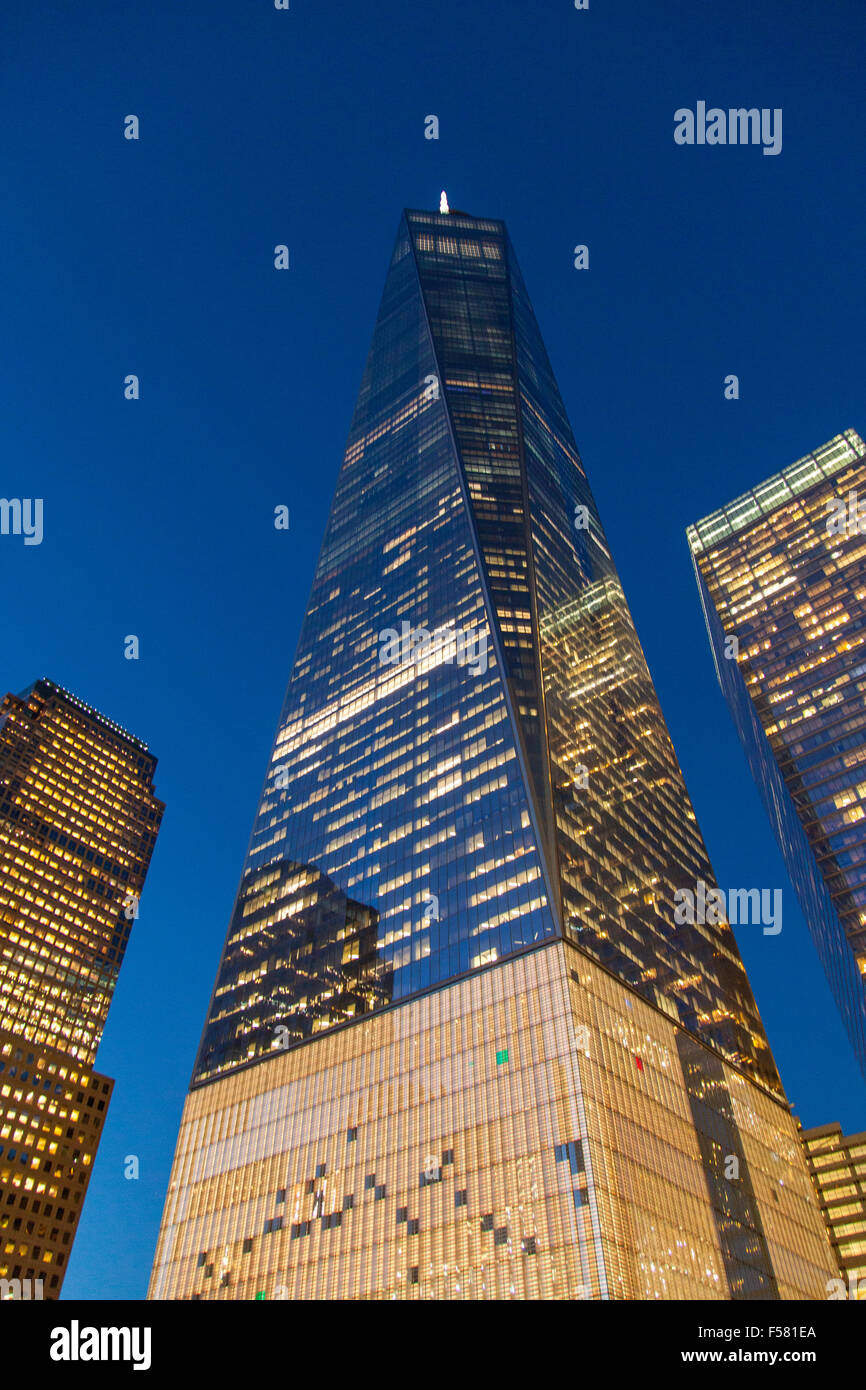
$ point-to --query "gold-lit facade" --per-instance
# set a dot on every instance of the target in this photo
(782, 577)
(534, 1131)
(78, 822)
(837, 1163)
(52, 1110)
(437, 825)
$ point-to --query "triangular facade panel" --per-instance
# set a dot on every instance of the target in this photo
(395, 843)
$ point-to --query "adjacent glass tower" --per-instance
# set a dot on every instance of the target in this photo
(78, 822)
(782, 578)
(457, 1045)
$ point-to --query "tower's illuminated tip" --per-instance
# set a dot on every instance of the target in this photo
(443, 202)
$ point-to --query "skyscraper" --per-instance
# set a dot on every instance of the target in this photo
(837, 1163)
(457, 1046)
(78, 822)
(782, 577)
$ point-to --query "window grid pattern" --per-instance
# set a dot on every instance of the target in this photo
(394, 844)
(52, 1111)
(626, 833)
(837, 1163)
(792, 595)
(78, 822)
(631, 1211)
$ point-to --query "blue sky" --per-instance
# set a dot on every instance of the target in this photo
(155, 257)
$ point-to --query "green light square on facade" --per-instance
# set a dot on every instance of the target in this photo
(502, 1057)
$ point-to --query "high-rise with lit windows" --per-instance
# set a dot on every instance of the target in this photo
(782, 578)
(78, 822)
(458, 1046)
(837, 1163)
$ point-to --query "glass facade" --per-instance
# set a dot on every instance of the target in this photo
(458, 1045)
(78, 822)
(782, 578)
(442, 791)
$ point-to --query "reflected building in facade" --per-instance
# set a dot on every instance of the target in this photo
(78, 823)
(458, 1046)
(782, 577)
(298, 951)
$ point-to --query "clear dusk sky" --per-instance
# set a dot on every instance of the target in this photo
(156, 257)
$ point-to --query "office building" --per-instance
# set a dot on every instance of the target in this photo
(458, 1046)
(837, 1163)
(782, 578)
(78, 822)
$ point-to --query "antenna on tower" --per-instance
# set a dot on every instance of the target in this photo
(443, 202)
